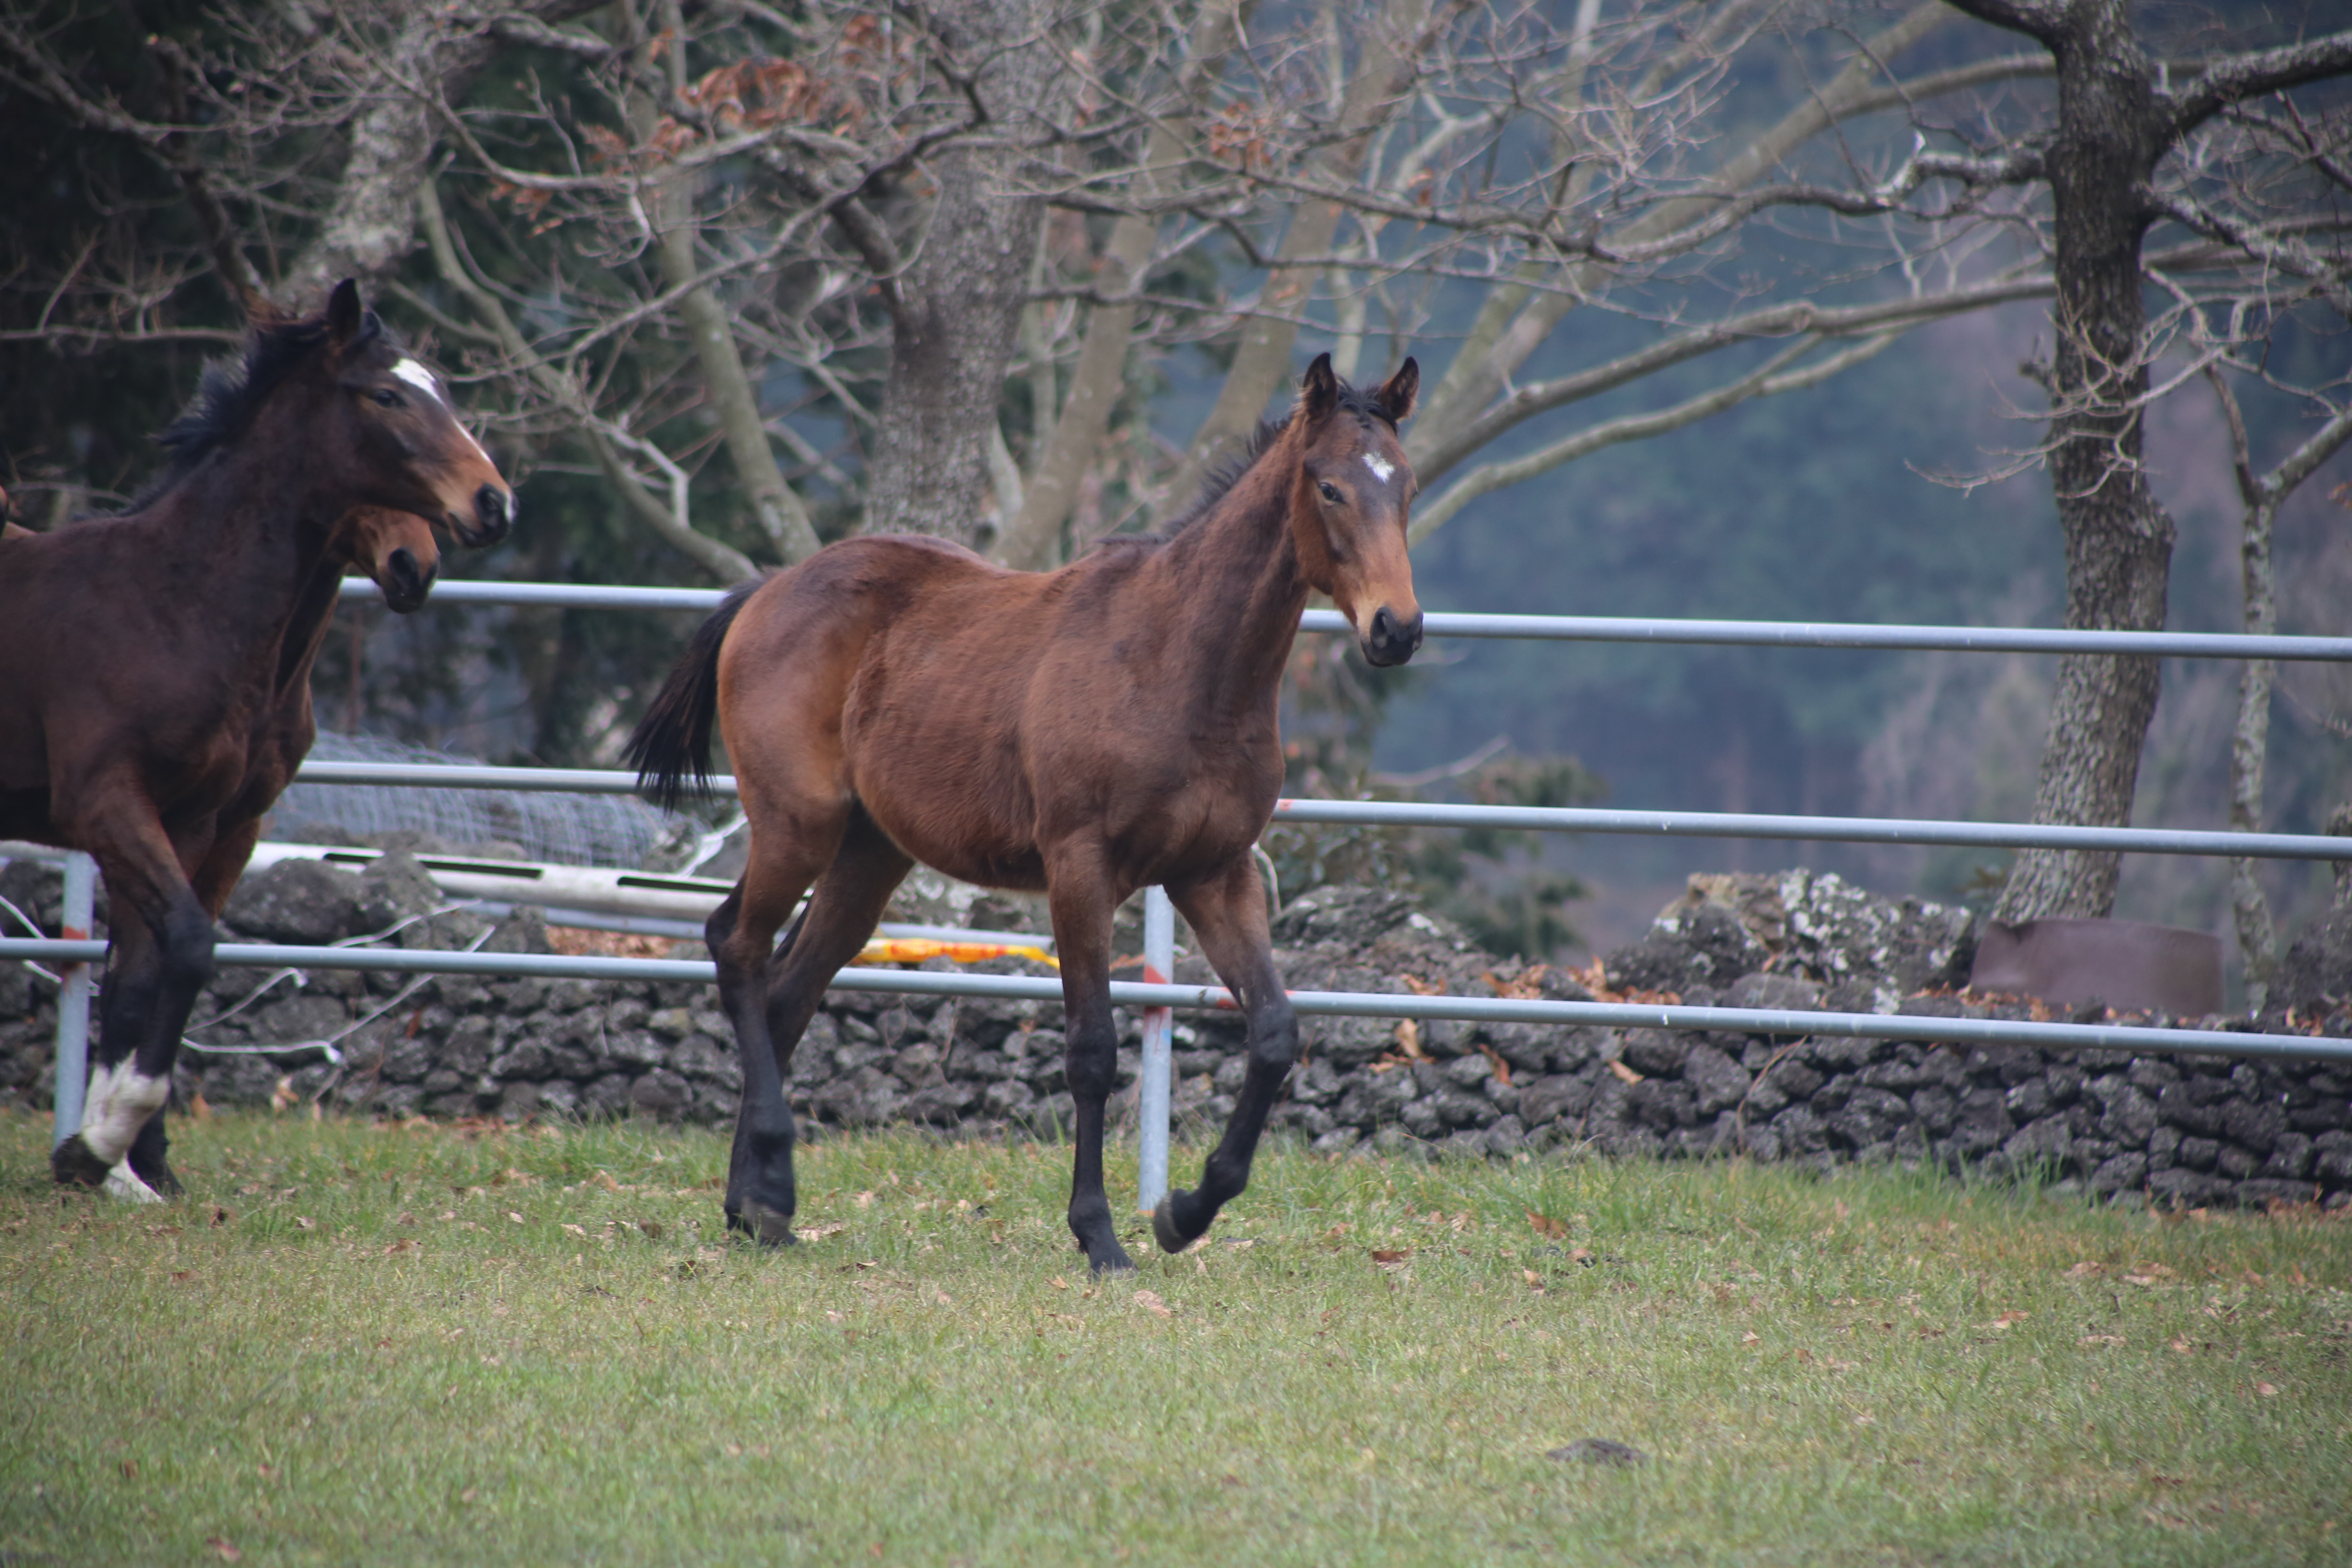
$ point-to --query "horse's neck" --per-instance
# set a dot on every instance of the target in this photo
(1237, 573)
(247, 552)
(306, 630)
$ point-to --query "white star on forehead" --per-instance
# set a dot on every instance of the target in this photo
(1381, 470)
(415, 374)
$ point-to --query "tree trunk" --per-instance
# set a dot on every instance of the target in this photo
(2118, 537)
(956, 307)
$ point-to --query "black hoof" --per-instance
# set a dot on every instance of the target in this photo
(1174, 1235)
(73, 1165)
(161, 1178)
(1115, 1261)
(768, 1226)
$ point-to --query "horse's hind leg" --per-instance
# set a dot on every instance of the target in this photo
(757, 984)
(1082, 902)
(1227, 913)
(762, 1197)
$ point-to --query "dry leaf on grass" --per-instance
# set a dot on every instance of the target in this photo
(2101, 1339)
(1391, 1257)
(2147, 1274)
(1545, 1224)
(2008, 1320)
(1624, 1073)
(1151, 1302)
(229, 1554)
(2266, 1389)
(819, 1232)
(2085, 1269)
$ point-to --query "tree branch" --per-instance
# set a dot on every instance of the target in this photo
(672, 524)
(2233, 78)
(1765, 381)
(2041, 20)
(1775, 321)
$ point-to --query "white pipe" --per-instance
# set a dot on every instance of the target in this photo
(1153, 1088)
(73, 999)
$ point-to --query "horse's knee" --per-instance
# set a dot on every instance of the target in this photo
(183, 948)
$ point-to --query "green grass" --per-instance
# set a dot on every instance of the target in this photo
(354, 1343)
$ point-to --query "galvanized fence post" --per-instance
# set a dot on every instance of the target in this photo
(1158, 1072)
(73, 998)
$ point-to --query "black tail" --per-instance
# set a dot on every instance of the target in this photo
(674, 737)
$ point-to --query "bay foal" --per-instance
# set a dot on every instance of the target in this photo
(1084, 734)
(149, 661)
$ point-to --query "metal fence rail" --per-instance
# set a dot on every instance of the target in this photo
(1545, 820)
(1555, 628)
(2137, 1040)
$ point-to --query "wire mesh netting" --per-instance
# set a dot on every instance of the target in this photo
(557, 829)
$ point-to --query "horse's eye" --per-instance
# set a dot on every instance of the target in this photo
(385, 397)
(1331, 491)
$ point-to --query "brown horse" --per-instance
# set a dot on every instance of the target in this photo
(1084, 732)
(153, 666)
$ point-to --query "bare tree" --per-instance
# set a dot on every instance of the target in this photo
(2121, 159)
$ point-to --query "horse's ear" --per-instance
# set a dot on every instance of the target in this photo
(1318, 389)
(1398, 394)
(345, 318)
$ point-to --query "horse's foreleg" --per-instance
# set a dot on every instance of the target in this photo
(215, 877)
(1081, 906)
(1227, 913)
(162, 955)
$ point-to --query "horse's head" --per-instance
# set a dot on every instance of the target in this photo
(1348, 504)
(403, 435)
(395, 548)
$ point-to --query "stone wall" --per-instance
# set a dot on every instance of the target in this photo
(2182, 1130)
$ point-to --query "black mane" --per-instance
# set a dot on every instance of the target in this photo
(1227, 474)
(227, 395)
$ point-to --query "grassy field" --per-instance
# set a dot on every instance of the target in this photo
(353, 1342)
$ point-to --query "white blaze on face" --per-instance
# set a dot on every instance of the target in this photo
(1381, 468)
(121, 1099)
(415, 374)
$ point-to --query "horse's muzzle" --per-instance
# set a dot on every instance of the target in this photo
(405, 583)
(1393, 641)
(494, 515)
